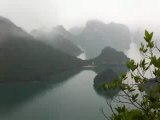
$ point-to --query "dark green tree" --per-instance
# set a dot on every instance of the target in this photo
(139, 98)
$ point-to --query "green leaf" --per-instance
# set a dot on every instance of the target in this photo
(137, 78)
(131, 90)
(123, 76)
(134, 97)
(132, 65)
(147, 33)
(141, 87)
(148, 36)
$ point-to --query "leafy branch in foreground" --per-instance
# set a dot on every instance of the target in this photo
(139, 98)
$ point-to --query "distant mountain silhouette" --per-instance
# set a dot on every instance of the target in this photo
(23, 58)
(59, 38)
(9, 28)
(97, 35)
(110, 56)
(61, 31)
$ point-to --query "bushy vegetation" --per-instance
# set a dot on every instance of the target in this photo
(139, 98)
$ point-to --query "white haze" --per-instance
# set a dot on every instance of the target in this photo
(31, 14)
(133, 52)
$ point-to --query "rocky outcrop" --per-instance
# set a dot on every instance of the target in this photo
(110, 56)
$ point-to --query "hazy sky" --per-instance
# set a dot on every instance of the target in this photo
(31, 14)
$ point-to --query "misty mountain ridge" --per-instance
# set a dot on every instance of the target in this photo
(8, 27)
(95, 36)
(58, 37)
(32, 56)
(23, 58)
(98, 35)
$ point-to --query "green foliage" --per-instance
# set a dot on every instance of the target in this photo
(144, 102)
(125, 114)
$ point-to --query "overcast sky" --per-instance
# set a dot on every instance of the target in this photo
(31, 14)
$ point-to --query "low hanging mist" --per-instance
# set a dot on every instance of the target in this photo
(55, 55)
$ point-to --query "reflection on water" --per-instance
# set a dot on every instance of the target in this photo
(119, 69)
(73, 98)
(107, 77)
(13, 95)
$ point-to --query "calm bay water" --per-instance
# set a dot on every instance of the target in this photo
(74, 98)
(66, 96)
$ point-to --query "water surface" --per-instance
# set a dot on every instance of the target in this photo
(65, 97)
